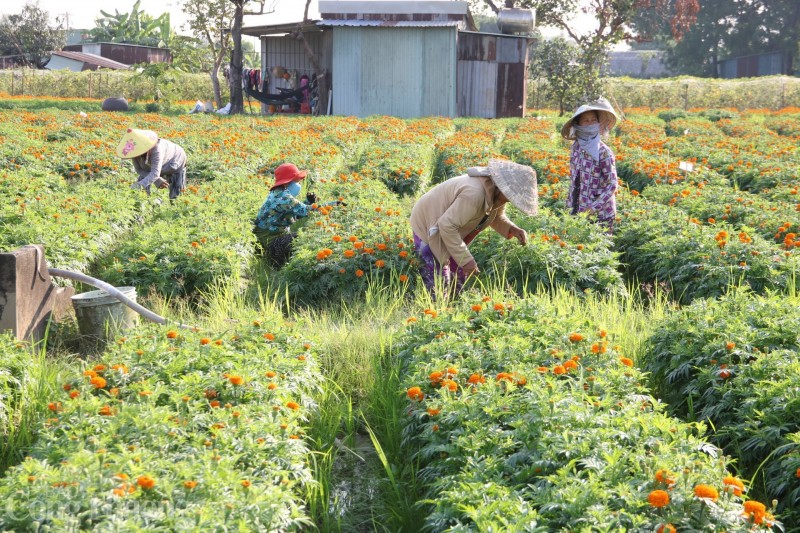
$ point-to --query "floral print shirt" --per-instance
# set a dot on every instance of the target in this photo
(592, 184)
(279, 211)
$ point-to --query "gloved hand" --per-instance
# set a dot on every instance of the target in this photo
(311, 198)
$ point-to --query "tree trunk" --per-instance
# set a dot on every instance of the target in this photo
(215, 85)
(235, 78)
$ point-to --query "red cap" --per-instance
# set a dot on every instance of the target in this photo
(287, 173)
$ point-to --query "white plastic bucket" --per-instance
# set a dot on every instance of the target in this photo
(101, 316)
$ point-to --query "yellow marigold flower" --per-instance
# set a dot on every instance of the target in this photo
(706, 491)
(658, 498)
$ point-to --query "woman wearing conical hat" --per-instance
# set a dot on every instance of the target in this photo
(158, 162)
(449, 216)
(592, 168)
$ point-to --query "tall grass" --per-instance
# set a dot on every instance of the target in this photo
(29, 381)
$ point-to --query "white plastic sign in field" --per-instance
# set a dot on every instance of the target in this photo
(686, 166)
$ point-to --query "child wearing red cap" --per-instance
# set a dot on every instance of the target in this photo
(279, 212)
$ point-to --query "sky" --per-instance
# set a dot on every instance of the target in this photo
(81, 14)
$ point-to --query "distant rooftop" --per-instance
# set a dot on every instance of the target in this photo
(92, 59)
(407, 7)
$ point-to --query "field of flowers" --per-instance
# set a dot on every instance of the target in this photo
(517, 407)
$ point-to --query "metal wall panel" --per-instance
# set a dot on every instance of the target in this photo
(477, 89)
(404, 72)
(510, 90)
(512, 50)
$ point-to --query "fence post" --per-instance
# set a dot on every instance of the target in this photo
(686, 97)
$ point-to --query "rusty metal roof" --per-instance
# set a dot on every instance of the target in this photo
(394, 23)
(92, 59)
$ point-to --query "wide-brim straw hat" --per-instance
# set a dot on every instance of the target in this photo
(517, 182)
(136, 142)
(605, 113)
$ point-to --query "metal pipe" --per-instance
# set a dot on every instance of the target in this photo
(111, 290)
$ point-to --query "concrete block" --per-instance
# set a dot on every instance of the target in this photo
(28, 297)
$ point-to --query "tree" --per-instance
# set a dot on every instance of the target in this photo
(615, 22)
(210, 20)
(731, 28)
(558, 61)
(136, 27)
(29, 36)
(322, 74)
(235, 76)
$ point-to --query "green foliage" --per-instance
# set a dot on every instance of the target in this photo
(557, 61)
(200, 429)
(136, 27)
(29, 37)
(734, 362)
(532, 405)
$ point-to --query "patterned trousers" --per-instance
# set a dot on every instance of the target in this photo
(451, 276)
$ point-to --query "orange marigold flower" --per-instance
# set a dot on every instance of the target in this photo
(433, 411)
(658, 498)
(236, 380)
(106, 410)
(214, 404)
(732, 484)
(172, 334)
(380, 263)
(54, 406)
(543, 369)
(74, 394)
(190, 484)
(477, 307)
(475, 379)
(269, 336)
(575, 337)
(570, 364)
(336, 238)
(449, 384)
(626, 361)
(756, 511)
(666, 528)
(435, 377)
(559, 370)
(294, 406)
(146, 482)
(67, 387)
(415, 393)
(503, 376)
(403, 278)
(245, 483)
(359, 273)
(89, 373)
(98, 382)
(730, 346)
(205, 340)
(706, 491)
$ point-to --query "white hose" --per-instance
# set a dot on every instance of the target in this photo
(111, 290)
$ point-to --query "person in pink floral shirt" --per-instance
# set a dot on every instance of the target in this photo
(592, 166)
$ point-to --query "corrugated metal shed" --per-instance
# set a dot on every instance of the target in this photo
(398, 70)
(767, 64)
(394, 23)
(329, 9)
(492, 75)
(78, 61)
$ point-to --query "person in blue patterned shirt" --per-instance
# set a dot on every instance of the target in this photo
(592, 167)
(280, 212)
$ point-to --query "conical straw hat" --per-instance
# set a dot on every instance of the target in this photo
(518, 184)
(606, 114)
(136, 142)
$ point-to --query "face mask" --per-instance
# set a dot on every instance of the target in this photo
(293, 188)
(587, 132)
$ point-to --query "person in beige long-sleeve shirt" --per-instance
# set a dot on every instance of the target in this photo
(154, 160)
(449, 216)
